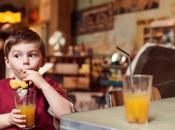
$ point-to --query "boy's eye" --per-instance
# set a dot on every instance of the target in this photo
(32, 55)
(16, 55)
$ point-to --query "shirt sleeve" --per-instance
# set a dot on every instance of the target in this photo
(57, 87)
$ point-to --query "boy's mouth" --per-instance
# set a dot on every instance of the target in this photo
(22, 74)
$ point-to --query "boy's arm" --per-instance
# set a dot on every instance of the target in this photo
(58, 104)
(4, 121)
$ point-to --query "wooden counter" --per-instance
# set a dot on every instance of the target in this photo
(161, 117)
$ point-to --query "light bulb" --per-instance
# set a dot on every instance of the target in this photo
(115, 57)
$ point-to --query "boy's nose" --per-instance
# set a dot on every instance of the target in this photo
(25, 60)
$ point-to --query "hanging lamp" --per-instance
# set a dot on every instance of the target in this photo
(10, 14)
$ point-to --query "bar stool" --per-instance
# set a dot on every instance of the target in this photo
(115, 97)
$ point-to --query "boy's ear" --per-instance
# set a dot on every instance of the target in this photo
(7, 62)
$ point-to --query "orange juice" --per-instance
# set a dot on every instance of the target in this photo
(29, 111)
(136, 106)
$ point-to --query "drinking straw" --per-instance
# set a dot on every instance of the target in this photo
(129, 60)
(27, 94)
(28, 89)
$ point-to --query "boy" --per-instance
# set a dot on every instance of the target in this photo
(24, 55)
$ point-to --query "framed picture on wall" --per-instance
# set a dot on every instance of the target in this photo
(94, 19)
(128, 6)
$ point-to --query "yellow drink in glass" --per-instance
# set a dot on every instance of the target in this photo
(136, 95)
(27, 104)
(137, 107)
(29, 112)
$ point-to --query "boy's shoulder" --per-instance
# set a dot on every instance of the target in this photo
(51, 81)
(4, 81)
(56, 85)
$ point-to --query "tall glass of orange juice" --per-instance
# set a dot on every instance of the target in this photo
(26, 103)
(136, 95)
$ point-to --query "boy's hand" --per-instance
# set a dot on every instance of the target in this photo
(35, 77)
(15, 118)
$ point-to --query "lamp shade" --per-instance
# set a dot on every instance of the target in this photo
(10, 14)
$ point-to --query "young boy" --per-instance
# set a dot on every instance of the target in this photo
(24, 55)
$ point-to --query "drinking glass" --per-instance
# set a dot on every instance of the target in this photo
(27, 103)
(136, 95)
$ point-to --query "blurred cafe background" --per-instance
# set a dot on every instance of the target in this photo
(81, 37)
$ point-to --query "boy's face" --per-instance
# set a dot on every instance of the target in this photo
(24, 57)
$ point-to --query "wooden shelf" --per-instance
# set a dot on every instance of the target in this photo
(80, 78)
(159, 34)
(75, 75)
(69, 57)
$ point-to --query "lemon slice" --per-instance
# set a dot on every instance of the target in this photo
(23, 84)
(14, 84)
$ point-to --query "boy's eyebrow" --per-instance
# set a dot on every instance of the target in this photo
(14, 51)
(34, 51)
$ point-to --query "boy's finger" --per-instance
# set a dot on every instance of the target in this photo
(19, 116)
(20, 121)
(16, 111)
(22, 126)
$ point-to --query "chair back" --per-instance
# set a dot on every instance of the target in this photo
(158, 61)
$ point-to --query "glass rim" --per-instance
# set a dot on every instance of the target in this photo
(139, 75)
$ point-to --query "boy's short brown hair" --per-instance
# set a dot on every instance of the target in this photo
(26, 36)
